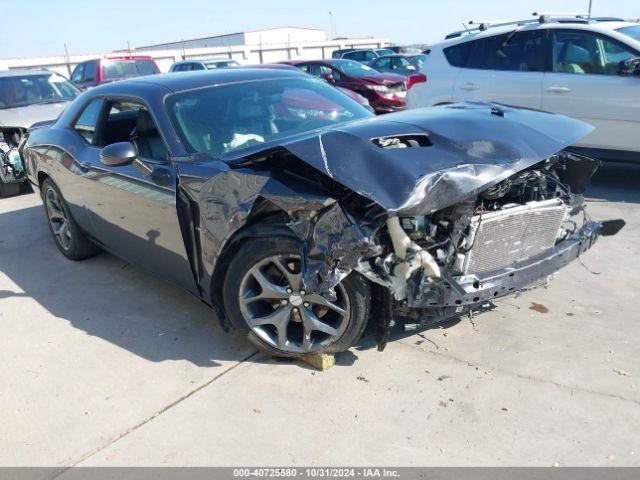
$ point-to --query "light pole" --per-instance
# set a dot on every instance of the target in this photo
(590, 2)
(333, 27)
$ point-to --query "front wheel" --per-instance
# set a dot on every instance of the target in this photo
(263, 293)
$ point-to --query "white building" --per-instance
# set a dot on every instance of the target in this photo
(250, 47)
(268, 36)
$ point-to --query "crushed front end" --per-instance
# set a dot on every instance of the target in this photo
(494, 243)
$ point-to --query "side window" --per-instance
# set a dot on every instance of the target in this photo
(315, 70)
(177, 68)
(383, 64)
(458, 55)
(403, 63)
(515, 51)
(352, 56)
(131, 122)
(368, 56)
(305, 68)
(197, 66)
(89, 73)
(77, 74)
(336, 74)
(87, 122)
(583, 52)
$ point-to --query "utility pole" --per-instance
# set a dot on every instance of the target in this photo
(590, 2)
(333, 26)
(67, 61)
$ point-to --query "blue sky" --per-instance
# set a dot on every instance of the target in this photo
(90, 26)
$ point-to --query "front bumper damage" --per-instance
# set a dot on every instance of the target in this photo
(455, 294)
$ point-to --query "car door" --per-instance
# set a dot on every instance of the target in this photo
(585, 83)
(133, 207)
(507, 68)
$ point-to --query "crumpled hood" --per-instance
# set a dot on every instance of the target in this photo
(473, 146)
(26, 116)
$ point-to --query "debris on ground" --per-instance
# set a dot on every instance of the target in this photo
(622, 372)
(443, 377)
(257, 410)
(362, 379)
(538, 307)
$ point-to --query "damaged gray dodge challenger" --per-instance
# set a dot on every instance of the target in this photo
(298, 215)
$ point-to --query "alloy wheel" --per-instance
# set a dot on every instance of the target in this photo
(60, 225)
(281, 313)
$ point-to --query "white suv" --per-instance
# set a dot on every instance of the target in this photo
(586, 69)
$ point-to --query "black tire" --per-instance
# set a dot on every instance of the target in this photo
(78, 246)
(9, 189)
(354, 288)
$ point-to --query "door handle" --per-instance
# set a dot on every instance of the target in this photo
(469, 87)
(558, 89)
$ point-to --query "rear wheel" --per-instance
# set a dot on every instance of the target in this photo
(69, 239)
(263, 293)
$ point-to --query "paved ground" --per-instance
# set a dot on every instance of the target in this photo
(101, 364)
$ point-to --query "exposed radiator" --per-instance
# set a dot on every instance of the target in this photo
(507, 237)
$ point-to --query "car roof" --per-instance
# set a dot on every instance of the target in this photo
(23, 73)
(600, 26)
(198, 79)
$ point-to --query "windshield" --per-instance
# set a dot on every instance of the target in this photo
(419, 59)
(355, 69)
(220, 119)
(20, 91)
(632, 31)
(119, 69)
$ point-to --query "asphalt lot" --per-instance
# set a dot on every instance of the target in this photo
(102, 364)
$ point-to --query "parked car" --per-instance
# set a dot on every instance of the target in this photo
(589, 70)
(385, 92)
(102, 70)
(205, 64)
(222, 183)
(26, 97)
(286, 66)
(365, 55)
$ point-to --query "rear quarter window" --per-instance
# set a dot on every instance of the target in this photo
(458, 55)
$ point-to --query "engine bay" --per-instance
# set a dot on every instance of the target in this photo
(462, 256)
(11, 165)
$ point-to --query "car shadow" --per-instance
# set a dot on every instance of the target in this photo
(107, 298)
(615, 182)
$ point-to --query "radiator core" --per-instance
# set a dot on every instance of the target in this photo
(507, 237)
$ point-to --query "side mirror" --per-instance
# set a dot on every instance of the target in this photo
(629, 67)
(329, 78)
(118, 154)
